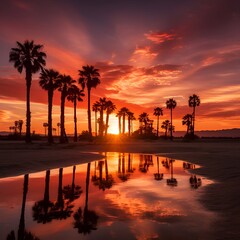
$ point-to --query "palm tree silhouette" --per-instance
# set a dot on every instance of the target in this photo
(119, 115)
(58, 125)
(171, 104)
(130, 119)
(95, 108)
(158, 112)
(158, 176)
(45, 125)
(86, 220)
(89, 77)
(187, 120)
(75, 94)
(165, 125)
(22, 233)
(42, 209)
(102, 106)
(124, 112)
(30, 57)
(110, 108)
(143, 118)
(65, 82)
(172, 181)
(49, 81)
(194, 101)
(72, 192)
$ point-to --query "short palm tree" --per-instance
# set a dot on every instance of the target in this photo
(194, 101)
(187, 120)
(102, 106)
(49, 81)
(29, 56)
(158, 112)
(130, 119)
(89, 77)
(65, 82)
(95, 108)
(74, 95)
(119, 116)
(143, 118)
(124, 112)
(165, 125)
(171, 104)
(110, 108)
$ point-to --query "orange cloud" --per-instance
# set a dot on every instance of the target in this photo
(160, 37)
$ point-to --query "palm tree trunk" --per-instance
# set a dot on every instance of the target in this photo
(123, 123)
(62, 139)
(119, 124)
(21, 228)
(95, 123)
(171, 125)
(107, 120)
(89, 115)
(50, 99)
(75, 120)
(129, 126)
(28, 113)
(157, 125)
(193, 121)
(87, 186)
(101, 122)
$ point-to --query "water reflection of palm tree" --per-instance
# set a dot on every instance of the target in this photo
(145, 162)
(61, 209)
(86, 220)
(101, 182)
(42, 209)
(171, 181)
(130, 167)
(158, 175)
(121, 168)
(22, 233)
(72, 192)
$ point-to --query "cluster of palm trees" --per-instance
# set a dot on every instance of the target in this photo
(17, 128)
(29, 56)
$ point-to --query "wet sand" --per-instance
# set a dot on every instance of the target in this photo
(220, 161)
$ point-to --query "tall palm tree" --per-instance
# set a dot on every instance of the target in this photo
(95, 108)
(89, 77)
(158, 112)
(119, 115)
(187, 120)
(102, 106)
(49, 81)
(65, 82)
(171, 104)
(130, 119)
(143, 118)
(29, 56)
(110, 108)
(124, 112)
(74, 95)
(194, 101)
(165, 125)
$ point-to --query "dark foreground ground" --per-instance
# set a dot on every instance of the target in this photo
(220, 161)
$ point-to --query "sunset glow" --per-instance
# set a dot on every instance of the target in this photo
(146, 53)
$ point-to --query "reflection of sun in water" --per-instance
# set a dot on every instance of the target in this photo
(113, 125)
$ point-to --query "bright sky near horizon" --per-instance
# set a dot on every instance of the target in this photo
(146, 51)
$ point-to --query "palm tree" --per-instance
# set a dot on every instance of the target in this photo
(110, 108)
(171, 104)
(165, 125)
(187, 120)
(143, 118)
(58, 125)
(45, 125)
(89, 77)
(102, 106)
(124, 112)
(49, 81)
(65, 82)
(130, 119)
(74, 95)
(30, 57)
(158, 112)
(95, 108)
(119, 115)
(194, 101)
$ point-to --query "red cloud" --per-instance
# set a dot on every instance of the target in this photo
(160, 37)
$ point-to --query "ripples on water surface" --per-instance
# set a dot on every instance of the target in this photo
(124, 196)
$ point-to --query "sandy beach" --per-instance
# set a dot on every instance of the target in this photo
(220, 161)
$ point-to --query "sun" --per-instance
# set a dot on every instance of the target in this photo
(113, 125)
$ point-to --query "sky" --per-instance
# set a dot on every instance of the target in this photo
(147, 51)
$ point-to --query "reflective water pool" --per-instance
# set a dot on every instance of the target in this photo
(124, 196)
